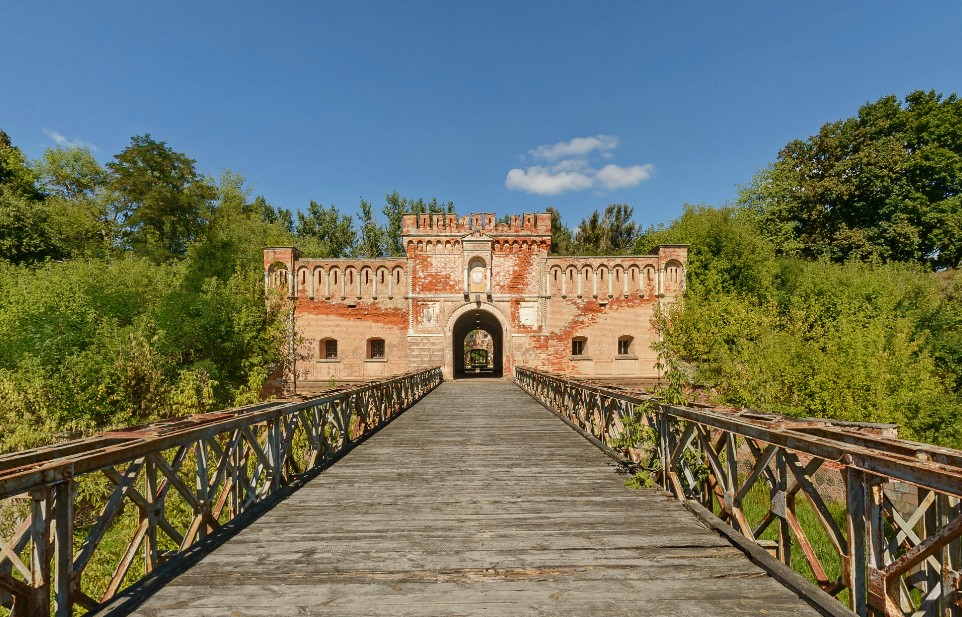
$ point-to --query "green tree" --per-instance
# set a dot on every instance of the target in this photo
(610, 233)
(24, 229)
(885, 185)
(82, 219)
(15, 174)
(560, 234)
(726, 253)
(272, 215)
(395, 207)
(163, 200)
(24, 220)
(333, 231)
(371, 242)
(70, 173)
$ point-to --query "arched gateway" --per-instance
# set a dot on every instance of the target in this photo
(473, 319)
(366, 318)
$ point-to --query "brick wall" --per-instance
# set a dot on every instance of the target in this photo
(540, 303)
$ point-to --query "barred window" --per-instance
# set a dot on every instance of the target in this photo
(578, 346)
(375, 348)
(328, 349)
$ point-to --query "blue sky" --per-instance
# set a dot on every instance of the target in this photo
(499, 106)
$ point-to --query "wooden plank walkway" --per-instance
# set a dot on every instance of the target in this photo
(476, 501)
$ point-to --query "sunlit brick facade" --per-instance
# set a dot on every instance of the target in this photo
(365, 318)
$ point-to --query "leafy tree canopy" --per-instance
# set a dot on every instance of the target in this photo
(15, 174)
(883, 186)
(163, 199)
(560, 234)
(70, 173)
(333, 231)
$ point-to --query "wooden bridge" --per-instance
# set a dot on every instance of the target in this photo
(479, 500)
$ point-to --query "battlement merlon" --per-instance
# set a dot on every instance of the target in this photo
(529, 224)
(286, 255)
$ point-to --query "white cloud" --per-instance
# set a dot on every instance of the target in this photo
(579, 146)
(567, 168)
(63, 142)
(615, 177)
(543, 181)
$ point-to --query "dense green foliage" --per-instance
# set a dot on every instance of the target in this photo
(612, 232)
(883, 186)
(134, 291)
(851, 341)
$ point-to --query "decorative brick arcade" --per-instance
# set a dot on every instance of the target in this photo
(584, 316)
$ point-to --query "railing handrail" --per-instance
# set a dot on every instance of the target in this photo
(924, 465)
(18, 474)
(895, 556)
(219, 465)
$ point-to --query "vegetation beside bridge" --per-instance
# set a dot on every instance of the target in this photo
(132, 291)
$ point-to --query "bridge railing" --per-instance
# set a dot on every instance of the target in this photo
(75, 518)
(770, 478)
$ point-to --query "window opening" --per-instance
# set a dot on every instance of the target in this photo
(375, 349)
(330, 349)
(578, 346)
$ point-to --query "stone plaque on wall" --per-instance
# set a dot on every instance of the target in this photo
(528, 314)
(430, 315)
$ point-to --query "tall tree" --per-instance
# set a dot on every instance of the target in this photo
(622, 231)
(611, 233)
(885, 185)
(15, 174)
(371, 242)
(162, 197)
(560, 234)
(70, 173)
(82, 212)
(270, 214)
(395, 207)
(334, 231)
(24, 221)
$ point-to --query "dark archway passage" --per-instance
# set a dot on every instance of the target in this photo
(478, 319)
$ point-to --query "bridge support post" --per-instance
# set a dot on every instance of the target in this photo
(950, 508)
(155, 508)
(276, 457)
(203, 497)
(66, 581)
(664, 454)
(855, 568)
(39, 603)
(781, 505)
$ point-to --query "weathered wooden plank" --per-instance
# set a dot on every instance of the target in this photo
(475, 501)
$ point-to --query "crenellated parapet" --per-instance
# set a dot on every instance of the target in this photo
(487, 223)
(351, 278)
(337, 279)
(659, 275)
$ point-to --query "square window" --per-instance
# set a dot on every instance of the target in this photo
(377, 349)
(578, 347)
